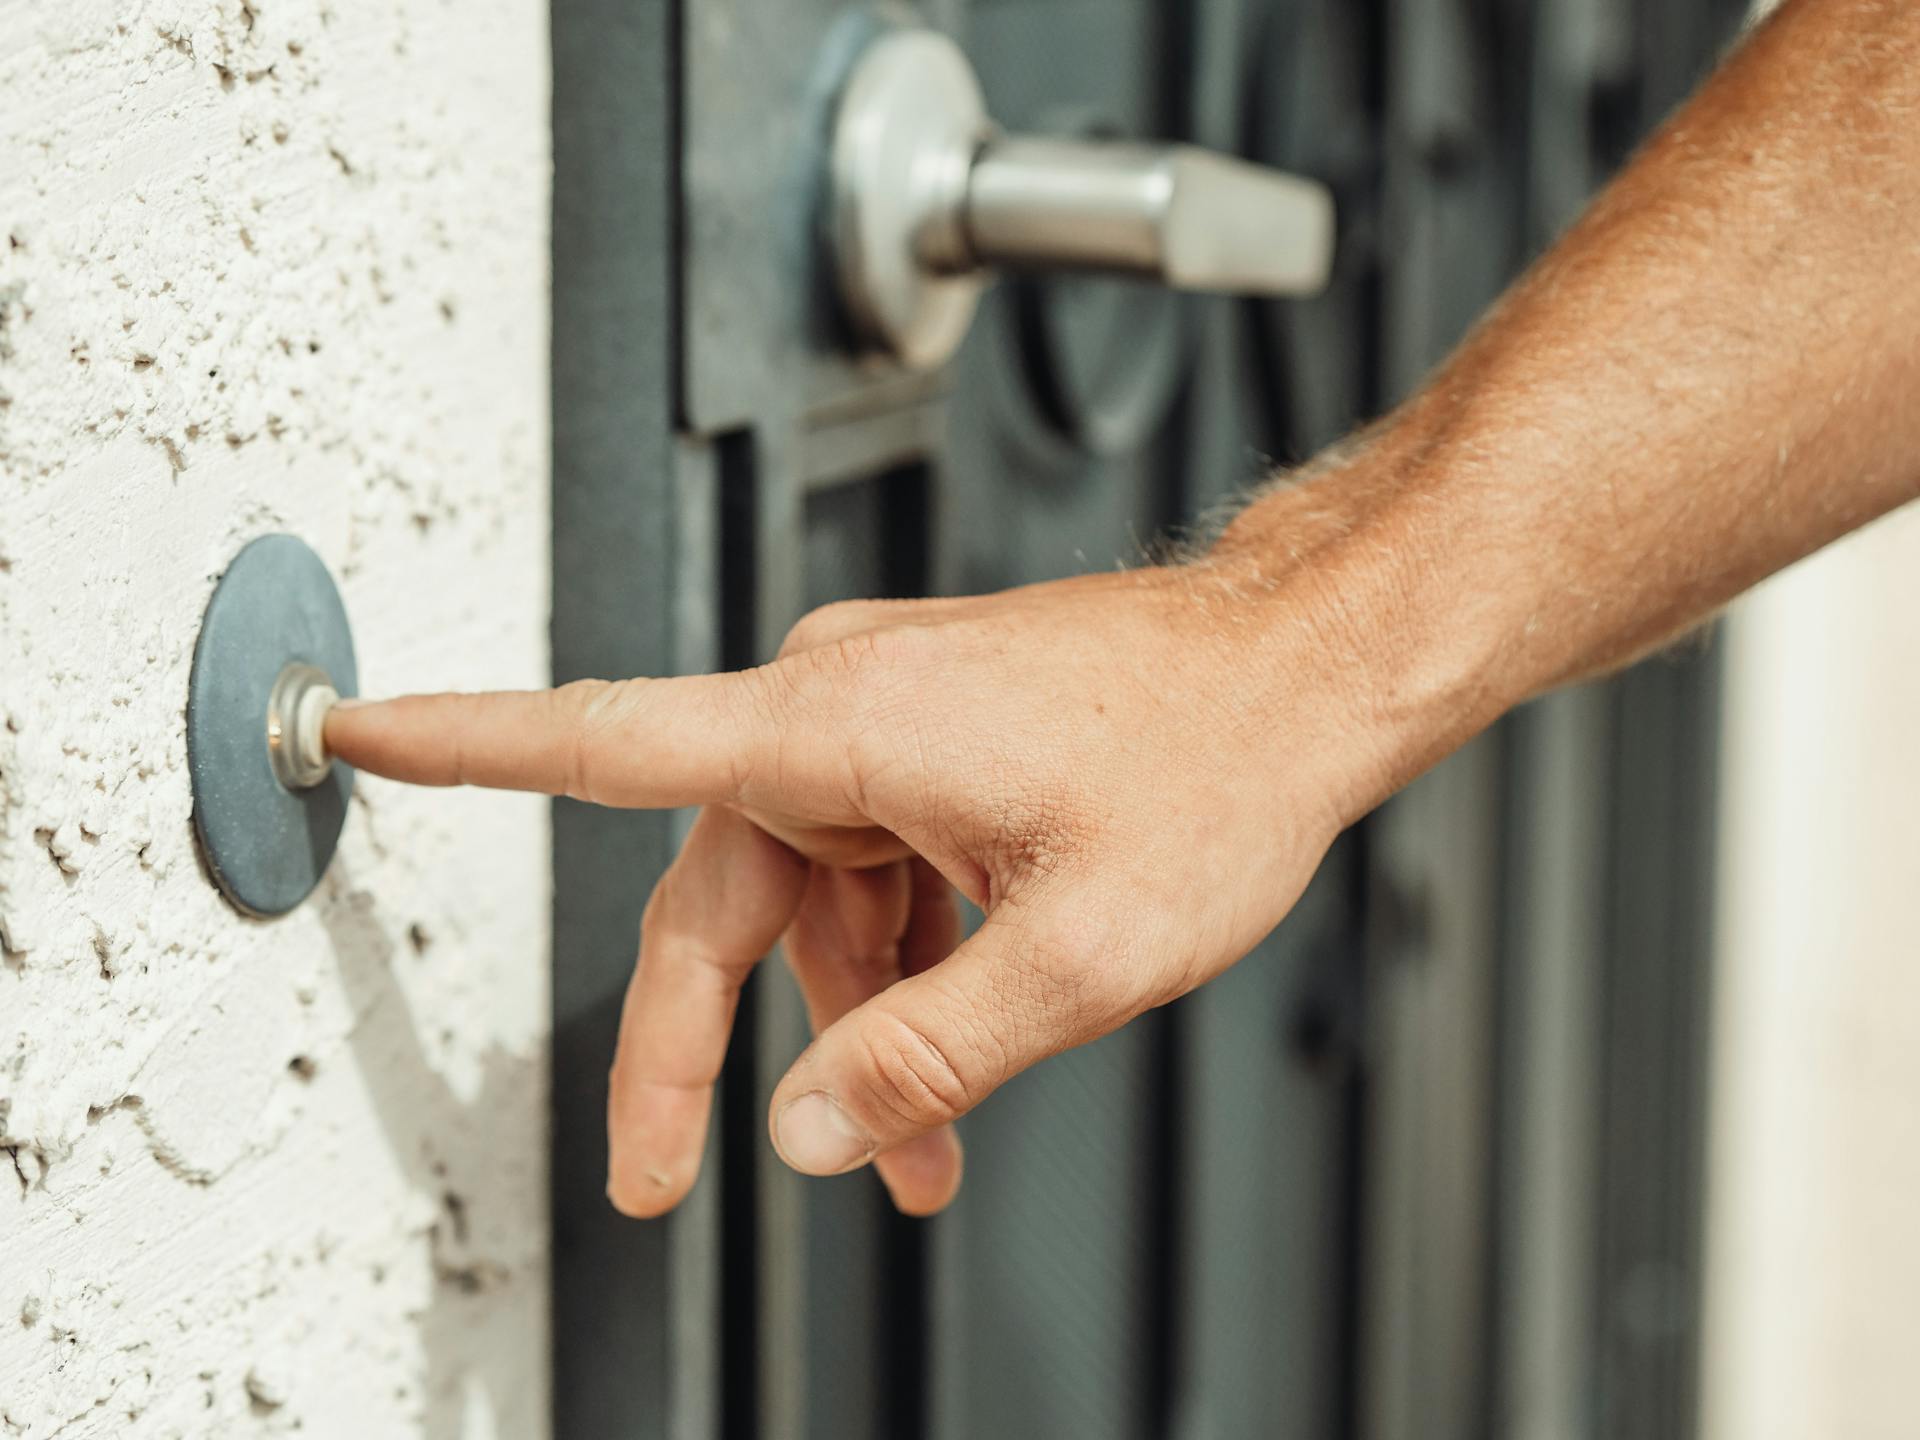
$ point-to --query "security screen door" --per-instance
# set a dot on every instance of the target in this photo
(1426, 1164)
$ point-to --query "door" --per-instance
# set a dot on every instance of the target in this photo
(1280, 1207)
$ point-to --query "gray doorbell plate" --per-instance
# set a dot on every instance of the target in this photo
(268, 815)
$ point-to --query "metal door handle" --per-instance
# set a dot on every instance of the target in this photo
(1186, 217)
(928, 198)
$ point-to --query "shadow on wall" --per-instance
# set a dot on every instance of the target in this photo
(487, 1300)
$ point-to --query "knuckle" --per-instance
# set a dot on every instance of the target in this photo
(849, 656)
(676, 941)
(854, 676)
(897, 690)
(590, 708)
(806, 632)
(586, 710)
(879, 650)
(761, 697)
(585, 701)
(658, 923)
(823, 625)
(911, 1077)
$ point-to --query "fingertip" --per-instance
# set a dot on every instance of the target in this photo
(397, 738)
(340, 729)
(644, 1188)
(652, 1196)
(814, 1135)
(655, 1136)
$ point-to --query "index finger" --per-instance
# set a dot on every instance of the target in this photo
(644, 744)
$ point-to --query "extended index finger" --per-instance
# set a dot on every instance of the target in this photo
(646, 744)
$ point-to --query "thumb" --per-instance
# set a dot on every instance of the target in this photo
(929, 1048)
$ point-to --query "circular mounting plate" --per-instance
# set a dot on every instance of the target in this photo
(266, 845)
(909, 122)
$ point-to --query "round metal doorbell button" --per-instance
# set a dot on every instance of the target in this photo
(273, 657)
(296, 725)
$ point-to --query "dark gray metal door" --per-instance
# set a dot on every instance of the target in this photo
(1062, 438)
(1228, 1219)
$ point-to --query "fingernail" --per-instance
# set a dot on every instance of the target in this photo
(347, 702)
(816, 1137)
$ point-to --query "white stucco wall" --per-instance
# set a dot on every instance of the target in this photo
(1813, 1278)
(267, 264)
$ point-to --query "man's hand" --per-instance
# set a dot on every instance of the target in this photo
(1714, 373)
(1123, 772)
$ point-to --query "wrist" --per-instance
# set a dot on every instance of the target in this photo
(1380, 579)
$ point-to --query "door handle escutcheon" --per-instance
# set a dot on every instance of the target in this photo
(928, 198)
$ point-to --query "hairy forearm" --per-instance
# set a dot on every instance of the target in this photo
(1715, 372)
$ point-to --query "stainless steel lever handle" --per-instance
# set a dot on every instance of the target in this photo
(1186, 217)
(928, 198)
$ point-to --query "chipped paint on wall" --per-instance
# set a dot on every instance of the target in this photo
(267, 265)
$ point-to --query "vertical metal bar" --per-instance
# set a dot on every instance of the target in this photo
(735, 601)
(613, 585)
(777, 1027)
(696, 1259)
(1653, 1122)
(1554, 965)
(1431, 987)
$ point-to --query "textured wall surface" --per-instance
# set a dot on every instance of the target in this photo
(1814, 1259)
(267, 264)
